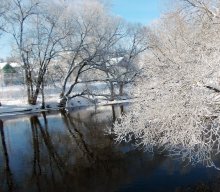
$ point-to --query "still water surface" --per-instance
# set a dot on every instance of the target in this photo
(72, 152)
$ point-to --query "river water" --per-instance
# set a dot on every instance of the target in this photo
(57, 151)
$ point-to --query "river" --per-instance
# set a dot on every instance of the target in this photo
(58, 151)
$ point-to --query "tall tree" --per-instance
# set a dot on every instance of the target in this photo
(37, 30)
(97, 38)
(178, 96)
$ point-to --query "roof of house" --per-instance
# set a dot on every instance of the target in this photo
(8, 69)
(13, 64)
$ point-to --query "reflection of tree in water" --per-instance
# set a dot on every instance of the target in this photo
(7, 174)
(80, 158)
(46, 160)
(75, 154)
(76, 135)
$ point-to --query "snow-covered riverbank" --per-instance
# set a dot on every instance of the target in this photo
(14, 101)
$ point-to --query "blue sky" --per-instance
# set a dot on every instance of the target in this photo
(5, 48)
(142, 11)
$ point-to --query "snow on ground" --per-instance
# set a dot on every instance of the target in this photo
(14, 100)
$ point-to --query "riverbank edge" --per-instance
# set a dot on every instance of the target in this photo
(19, 110)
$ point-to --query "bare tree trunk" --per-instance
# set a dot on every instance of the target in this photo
(122, 109)
(63, 101)
(29, 85)
(121, 89)
(39, 87)
(29, 90)
(34, 98)
(112, 97)
(29, 94)
(113, 113)
(42, 92)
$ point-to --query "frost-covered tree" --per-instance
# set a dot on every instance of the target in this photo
(97, 37)
(177, 107)
(94, 32)
(3, 10)
(122, 67)
(37, 30)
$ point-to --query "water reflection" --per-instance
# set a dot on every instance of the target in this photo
(7, 175)
(72, 152)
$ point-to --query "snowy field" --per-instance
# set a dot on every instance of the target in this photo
(14, 99)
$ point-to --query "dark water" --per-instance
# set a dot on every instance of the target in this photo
(73, 152)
